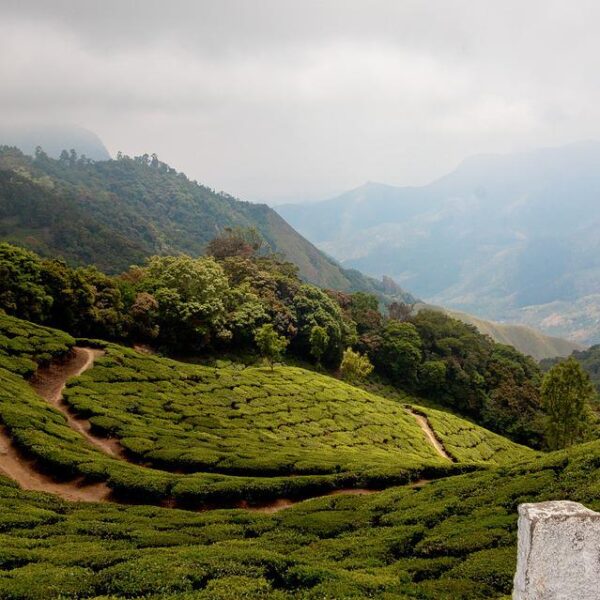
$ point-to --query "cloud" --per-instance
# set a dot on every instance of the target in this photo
(275, 99)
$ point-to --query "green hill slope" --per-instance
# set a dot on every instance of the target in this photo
(246, 433)
(114, 213)
(527, 340)
(449, 540)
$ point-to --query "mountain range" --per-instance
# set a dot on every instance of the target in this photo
(510, 237)
(115, 213)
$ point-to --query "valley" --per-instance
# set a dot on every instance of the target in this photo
(509, 238)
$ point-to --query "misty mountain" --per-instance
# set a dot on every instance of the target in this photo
(53, 139)
(115, 213)
(506, 237)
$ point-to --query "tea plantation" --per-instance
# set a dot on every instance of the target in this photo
(205, 434)
(450, 540)
(255, 421)
(195, 435)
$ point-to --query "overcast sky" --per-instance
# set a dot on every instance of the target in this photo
(286, 100)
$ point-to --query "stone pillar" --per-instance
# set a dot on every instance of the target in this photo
(559, 552)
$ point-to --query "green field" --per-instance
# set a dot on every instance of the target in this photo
(206, 434)
(453, 539)
(218, 435)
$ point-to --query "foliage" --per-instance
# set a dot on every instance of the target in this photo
(319, 341)
(355, 366)
(454, 539)
(398, 352)
(566, 394)
(270, 345)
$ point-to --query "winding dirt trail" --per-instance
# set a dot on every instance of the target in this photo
(424, 425)
(50, 381)
(24, 471)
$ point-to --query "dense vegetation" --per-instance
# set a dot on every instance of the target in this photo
(115, 213)
(218, 303)
(239, 433)
(453, 539)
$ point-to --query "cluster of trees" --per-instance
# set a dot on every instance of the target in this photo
(240, 297)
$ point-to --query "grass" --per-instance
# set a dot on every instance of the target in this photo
(450, 540)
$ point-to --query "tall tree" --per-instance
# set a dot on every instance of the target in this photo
(270, 345)
(566, 394)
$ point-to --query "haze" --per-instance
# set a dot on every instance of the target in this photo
(278, 100)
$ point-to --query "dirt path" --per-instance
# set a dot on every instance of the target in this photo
(424, 425)
(50, 381)
(25, 473)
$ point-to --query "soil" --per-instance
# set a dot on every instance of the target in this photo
(49, 382)
(424, 425)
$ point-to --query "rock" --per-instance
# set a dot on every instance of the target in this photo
(559, 552)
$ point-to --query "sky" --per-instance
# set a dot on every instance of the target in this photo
(281, 100)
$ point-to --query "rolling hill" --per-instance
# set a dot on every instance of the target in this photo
(115, 213)
(451, 536)
(504, 237)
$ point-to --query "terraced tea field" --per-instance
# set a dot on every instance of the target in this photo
(193, 434)
(453, 539)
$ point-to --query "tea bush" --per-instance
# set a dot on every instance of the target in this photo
(452, 539)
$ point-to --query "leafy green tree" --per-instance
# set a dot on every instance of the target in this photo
(22, 292)
(398, 352)
(566, 394)
(319, 340)
(270, 344)
(314, 307)
(192, 296)
(355, 366)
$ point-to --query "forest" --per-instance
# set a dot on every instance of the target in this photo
(216, 304)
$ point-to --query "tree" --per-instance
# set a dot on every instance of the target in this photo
(193, 296)
(566, 394)
(270, 345)
(319, 340)
(236, 241)
(398, 351)
(400, 311)
(22, 292)
(314, 307)
(355, 366)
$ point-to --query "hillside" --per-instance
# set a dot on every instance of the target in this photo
(525, 339)
(188, 434)
(504, 237)
(449, 539)
(115, 213)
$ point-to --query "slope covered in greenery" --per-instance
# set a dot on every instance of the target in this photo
(248, 433)
(453, 539)
(527, 340)
(115, 213)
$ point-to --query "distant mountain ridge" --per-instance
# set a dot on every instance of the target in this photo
(507, 237)
(526, 340)
(115, 213)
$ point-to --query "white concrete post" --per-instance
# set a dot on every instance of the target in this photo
(559, 552)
